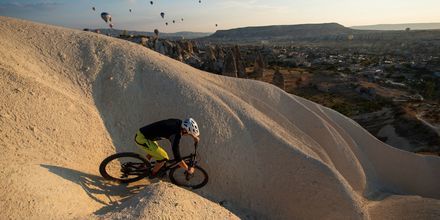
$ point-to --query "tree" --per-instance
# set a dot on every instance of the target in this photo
(430, 89)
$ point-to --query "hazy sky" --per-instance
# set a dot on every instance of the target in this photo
(226, 13)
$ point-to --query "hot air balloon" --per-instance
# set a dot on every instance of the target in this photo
(156, 32)
(181, 19)
(216, 25)
(129, 10)
(166, 23)
(106, 17)
(151, 2)
(200, 1)
(162, 15)
(174, 21)
(93, 8)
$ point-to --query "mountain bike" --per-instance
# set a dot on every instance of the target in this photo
(127, 167)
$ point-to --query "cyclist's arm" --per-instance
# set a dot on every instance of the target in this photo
(184, 165)
(176, 152)
(196, 139)
(176, 147)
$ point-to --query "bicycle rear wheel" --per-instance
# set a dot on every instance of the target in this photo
(196, 180)
(124, 167)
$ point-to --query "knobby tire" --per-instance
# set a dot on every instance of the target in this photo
(107, 160)
(196, 169)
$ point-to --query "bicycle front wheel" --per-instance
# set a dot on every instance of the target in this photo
(196, 180)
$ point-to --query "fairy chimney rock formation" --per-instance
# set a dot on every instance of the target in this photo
(159, 47)
(241, 69)
(210, 62)
(229, 66)
(187, 46)
(259, 65)
(278, 79)
(219, 53)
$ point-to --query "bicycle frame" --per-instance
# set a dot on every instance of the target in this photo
(192, 160)
(170, 164)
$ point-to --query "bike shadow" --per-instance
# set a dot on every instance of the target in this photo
(102, 191)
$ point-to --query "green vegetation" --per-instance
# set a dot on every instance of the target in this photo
(429, 89)
(346, 105)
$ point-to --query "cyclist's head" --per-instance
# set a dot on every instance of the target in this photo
(190, 126)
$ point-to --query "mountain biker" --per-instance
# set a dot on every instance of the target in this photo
(171, 129)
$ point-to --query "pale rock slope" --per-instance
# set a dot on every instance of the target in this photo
(158, 201)
(70, 98)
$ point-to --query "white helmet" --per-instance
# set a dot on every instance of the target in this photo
(191, 126)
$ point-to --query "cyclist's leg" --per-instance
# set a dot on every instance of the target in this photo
(144, 143)
(153, 150)
(159, 162)
(156, 151)
(157, 167)
(149, 157)
(159, 154)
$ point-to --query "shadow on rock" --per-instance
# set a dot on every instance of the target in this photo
(105, 192)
